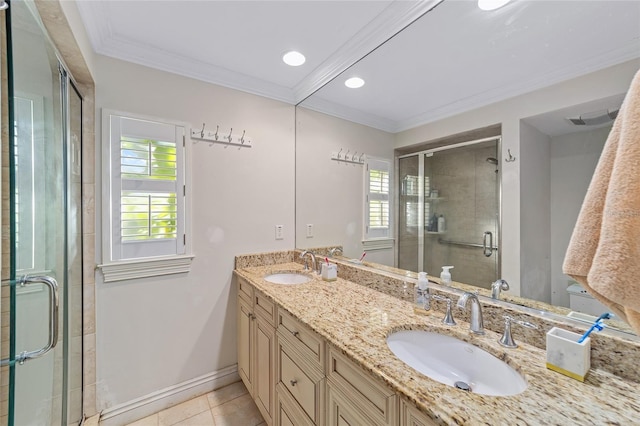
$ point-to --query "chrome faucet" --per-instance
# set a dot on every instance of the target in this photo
(496, 287)
(477, 326)
(314, 263)
(507, 340)
(333, 251)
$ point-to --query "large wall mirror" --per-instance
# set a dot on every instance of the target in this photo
(471, 144)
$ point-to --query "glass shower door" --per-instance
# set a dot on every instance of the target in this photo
(45, 336)
(449, 207)
(464, 199)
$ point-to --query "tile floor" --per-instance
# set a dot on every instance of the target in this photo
(228, 406)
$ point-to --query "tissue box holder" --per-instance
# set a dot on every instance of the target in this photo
(329, 271)
(566, 356)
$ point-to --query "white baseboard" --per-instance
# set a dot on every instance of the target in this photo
(139, 408)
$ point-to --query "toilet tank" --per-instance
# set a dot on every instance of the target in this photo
(581, 301)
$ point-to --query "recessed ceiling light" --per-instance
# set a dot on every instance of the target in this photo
(491, 4)
(354, 82)
(294, 58)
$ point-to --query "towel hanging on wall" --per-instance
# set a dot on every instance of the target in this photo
(604, 251)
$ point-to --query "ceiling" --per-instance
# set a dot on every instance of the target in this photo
(453, 59)
(239, 44)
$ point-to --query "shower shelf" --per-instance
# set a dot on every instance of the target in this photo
(429, 199)
(435, 232)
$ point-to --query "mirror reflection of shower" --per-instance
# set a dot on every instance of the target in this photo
(448, 205)
(494, 161)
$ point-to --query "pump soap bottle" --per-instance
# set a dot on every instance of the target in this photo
(422, 292)
(445, 275)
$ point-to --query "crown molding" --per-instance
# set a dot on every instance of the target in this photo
(350, 114)
(124, 49)
(397, 16)
(96, 24)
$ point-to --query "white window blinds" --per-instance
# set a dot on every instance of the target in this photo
(147, 188)
(377, 202)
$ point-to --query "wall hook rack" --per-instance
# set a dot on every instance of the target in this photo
(511, 158)
(243, 141)
(348, 158)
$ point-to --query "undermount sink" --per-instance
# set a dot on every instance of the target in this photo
(456, 363)
(287, 278)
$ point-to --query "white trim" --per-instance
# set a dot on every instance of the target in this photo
(378, 244)
(142, 268)
(147, 405)
(170, 264)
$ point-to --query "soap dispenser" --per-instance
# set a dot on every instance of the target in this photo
(445, 275)
(422, 299)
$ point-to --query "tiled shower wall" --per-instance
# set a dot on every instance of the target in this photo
(468, 186)
(58, 28)
(467, 198)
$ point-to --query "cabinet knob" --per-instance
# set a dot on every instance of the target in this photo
(295, 333)
(293, 382)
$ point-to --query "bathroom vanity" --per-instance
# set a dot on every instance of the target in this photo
(316, 354)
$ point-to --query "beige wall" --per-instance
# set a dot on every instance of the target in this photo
(535, 215)
(329, 194)
(573, 160)
(597, 85)
(158, 332)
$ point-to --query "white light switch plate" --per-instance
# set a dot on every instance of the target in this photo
(309, 230)
(279, 232)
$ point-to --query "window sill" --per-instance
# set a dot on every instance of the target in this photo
(143, 268)
(378, 244)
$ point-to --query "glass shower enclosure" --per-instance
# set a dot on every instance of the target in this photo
(42, 227)
(449, 211)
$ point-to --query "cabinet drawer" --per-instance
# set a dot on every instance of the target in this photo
(288, 412)
(264, 307)
(304, 389)
(305, 341)
(368, 394)
(245, 290)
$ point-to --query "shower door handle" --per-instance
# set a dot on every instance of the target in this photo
(487, 247)
(52, 285)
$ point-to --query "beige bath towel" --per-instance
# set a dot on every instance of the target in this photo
(604, 252)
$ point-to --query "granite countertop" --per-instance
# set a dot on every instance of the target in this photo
(357, 320)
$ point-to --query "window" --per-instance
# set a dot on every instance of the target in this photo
(146, 215)
(377, 202)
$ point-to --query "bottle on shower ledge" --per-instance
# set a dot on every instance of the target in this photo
(433, 224)
(441, 224)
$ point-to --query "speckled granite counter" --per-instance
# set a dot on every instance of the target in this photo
(357, 321)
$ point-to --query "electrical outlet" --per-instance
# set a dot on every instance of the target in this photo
(309, 230)
(279, 232)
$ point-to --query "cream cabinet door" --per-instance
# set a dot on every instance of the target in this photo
(341, 411)
(264, 384)
(410, 416)
(245, 343)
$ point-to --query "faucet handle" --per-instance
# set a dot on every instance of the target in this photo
(448, 317)
(507, 340)
(498, 286)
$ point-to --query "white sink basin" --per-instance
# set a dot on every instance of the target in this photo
(287, 278)
(456, 363)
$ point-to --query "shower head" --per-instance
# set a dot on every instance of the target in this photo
(492, 160)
